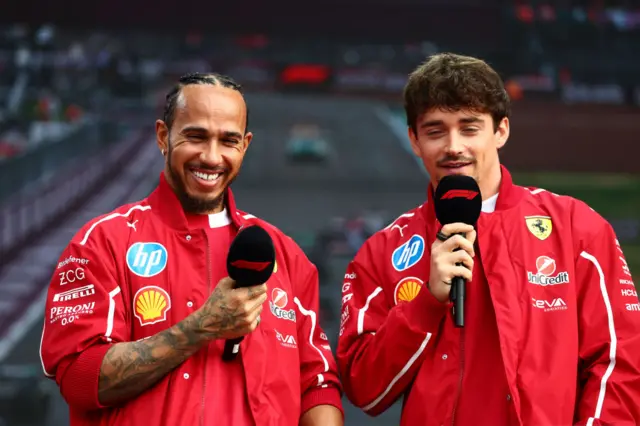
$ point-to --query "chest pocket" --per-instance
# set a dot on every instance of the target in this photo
(163, 278)
(278, 328)
(279, 315)
(150, 299)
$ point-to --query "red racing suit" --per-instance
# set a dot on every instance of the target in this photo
(566, 309)
(137, 271)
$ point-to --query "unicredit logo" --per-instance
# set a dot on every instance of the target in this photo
(279, 300)
(546, 267)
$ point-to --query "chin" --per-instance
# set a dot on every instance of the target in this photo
(459, 171)
(206, 197)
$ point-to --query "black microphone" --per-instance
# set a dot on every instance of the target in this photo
(458, 200)
(250, 262)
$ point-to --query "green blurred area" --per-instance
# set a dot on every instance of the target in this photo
(614, 196)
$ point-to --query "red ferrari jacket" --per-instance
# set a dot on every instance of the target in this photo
(566, 309)
(137, 271)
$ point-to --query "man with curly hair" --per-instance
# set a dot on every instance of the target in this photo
(552, 333)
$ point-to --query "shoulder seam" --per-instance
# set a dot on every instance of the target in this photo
(539, 191)
(409, 214)
(109, 217)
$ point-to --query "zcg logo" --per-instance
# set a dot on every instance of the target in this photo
(408, 254)
(72, 275)
(147, 259)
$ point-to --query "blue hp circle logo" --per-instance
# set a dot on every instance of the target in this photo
(408, 254)
(147, 259)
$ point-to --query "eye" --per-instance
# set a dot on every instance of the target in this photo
(196, 137)
(231, 141)
(470, 130)
(434, 133)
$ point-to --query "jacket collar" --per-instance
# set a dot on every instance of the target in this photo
(164, 202)
(509, 195)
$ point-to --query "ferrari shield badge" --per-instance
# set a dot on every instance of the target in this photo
(540, 226)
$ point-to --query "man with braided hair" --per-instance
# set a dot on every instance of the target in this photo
(140, 305)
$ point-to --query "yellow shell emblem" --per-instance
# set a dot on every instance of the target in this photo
(407, 289)
(151, 304)
(540, 226)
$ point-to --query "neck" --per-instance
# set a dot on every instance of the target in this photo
(490, 185)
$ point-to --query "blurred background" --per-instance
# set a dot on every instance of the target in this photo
(81, 85)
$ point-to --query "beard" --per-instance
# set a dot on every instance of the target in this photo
(191, 204)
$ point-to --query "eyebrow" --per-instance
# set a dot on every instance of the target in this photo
(198, 129)
(195, 129)
(229, 134)
(466, 120)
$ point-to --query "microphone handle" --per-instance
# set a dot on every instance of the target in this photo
(457, 296)
(231, 349)
(458, 285)
(232, 346)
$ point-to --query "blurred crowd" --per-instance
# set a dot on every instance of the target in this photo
(343, 237)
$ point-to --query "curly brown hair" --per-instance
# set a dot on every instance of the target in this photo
(453, 82)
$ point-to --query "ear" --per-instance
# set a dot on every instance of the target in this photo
(414, 142)
(162, 136)
(246, 141)
(502, 134)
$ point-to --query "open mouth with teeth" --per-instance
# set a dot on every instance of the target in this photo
(205, 178)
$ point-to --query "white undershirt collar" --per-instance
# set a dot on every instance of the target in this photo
(489, 205)
(220, 219)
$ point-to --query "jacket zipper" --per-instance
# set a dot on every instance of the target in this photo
(206, 351)
(455, 404)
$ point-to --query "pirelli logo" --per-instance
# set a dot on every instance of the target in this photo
(76, 293)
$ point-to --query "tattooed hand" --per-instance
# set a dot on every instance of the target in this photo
(230, 313)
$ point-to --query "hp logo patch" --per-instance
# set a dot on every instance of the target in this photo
(147, 259)
(408, 254)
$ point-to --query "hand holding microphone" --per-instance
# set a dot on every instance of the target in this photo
(446, 257)
(233, 309)
(457, 202)
(231, 312)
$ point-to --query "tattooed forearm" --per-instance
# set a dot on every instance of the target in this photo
(130, 368)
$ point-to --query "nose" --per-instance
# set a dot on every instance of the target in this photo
(454, 145)
(212, 154)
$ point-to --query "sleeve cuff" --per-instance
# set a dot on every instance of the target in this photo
(425, 311)
(79, 386)
(321, 396)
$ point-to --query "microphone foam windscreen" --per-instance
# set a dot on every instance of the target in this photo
(457, 200)
(251, 257)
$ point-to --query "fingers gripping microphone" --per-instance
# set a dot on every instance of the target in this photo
(250, 262)
(458, 200)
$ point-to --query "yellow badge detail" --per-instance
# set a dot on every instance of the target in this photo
(275, 266)
(540, 226)
(407, 289)
(151, 304)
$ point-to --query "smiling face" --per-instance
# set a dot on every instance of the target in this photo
(205, 145)
(460, 142)
(457, 115)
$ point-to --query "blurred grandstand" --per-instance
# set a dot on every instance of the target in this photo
(329, 164)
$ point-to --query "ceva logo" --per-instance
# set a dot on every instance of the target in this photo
(147, 259)
(408, 254)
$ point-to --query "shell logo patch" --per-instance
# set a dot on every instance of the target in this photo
(407, 289)
(151, 304)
